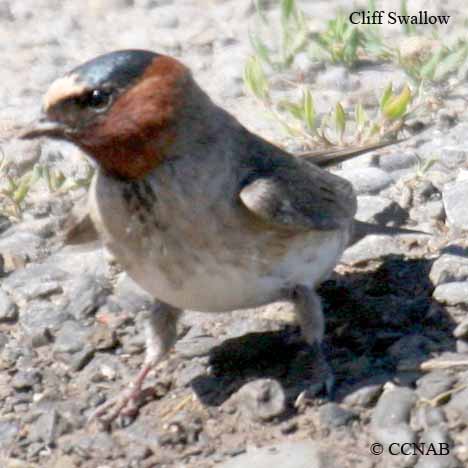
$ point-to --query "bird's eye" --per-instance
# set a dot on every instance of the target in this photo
(96, 99)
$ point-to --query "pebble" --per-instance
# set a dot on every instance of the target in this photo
(72, 337)
(86, 295)
(261, 400)
(437, 439)
(380, 210)
(41, 315)
(390, 419)
(434, 383)
(332, 415)
(25, 380)
(8, 309)
(452, 293)
(454, 197)
(196, 347)
(34, 281)
(365, 396)
(397, 160)
(301, 454)
(368, 180)
(449, 268)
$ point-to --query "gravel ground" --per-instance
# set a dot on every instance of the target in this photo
(239, 390)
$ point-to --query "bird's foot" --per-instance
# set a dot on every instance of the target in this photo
(127, 403)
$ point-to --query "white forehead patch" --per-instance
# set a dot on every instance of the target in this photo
(63, 88)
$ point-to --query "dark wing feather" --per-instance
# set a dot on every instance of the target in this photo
(299, 196)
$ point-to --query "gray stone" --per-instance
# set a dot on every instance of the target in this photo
(80, 260)
(86, 295)
(427, 416)
(9, 430)
(23, 244)
(461, 346)
(461, 331)
(261, 400)
(333, 415)
(439, 440)
(433, 384)
(302, 454)
(372, 247)
(25, 380)
(72, 337)
(452, 293)
(390, 419)
(369, 180)
(40, 315)
(449, 268)
(8, 309)
(34, 281)
(455, 196)
(189, 372)
(380, 210)
(196, 347)
(365, 396)
(397, 161)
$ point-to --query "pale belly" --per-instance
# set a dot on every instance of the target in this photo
(201, 264)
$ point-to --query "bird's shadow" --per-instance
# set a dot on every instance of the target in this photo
(376, 321)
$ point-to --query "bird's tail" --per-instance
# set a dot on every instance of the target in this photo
(362, 229)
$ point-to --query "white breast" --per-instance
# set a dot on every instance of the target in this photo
(193, 252)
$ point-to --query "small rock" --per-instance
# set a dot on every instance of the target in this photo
(380, 210)
(454, 197)
(333, 415)
(364, 397)
(426, 416)
(9, 430)
(196, 347)
(449, 268)
(366, 180)
(261, 400)
(397, 161)
(34, 281)
(8, 309)
(86, 295)
(390, 419)
(72, 337)
(438, 445)
(25, 380)
(302, 454)
(461, 331)
(433, 384)
(41, 315)
(452, 293)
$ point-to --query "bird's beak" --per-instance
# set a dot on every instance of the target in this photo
(43, 127)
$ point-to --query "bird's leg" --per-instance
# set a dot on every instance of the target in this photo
(308, 308)
(161, 333)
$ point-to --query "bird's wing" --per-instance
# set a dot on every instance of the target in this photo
(299, 196)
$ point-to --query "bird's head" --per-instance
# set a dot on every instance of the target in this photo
(121, 108)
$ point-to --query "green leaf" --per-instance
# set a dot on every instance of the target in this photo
(360, 116)
(262, 51)
(386, 95)
(295, 110)
(340, 120)
(309, 110)
(427, 71)
(287, 8)
(450, 63)
(20, 193)
(255, 78)
(397, 105)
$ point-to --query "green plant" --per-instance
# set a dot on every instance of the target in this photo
(291, 40)
(15, 192)
(300, 121)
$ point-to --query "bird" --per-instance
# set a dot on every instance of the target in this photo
(200, 212)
